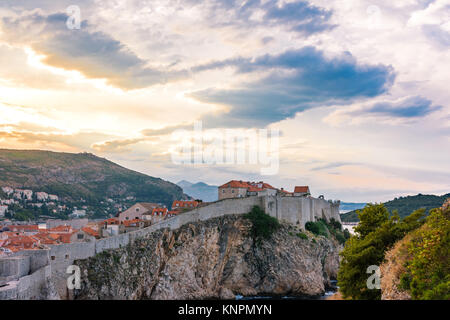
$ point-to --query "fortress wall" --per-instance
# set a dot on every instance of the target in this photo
(38, 258)
(62, 256)
(27, 287)
(114, 242)
(30, 287)
(295, 210)
(299, 210)
(14, 267)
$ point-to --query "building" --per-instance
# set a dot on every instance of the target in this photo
(53, 197)
(301, 191)
(183, 204)
(3, 210)
(41, 196)
(78, 213)
(132, 225)
(241, 189)
(8, 190)
(24, 229)
(74, 223)
(136, 211)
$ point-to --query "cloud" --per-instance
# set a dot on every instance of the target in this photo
(438, 35)
(297, 16)
(116, 146)
(75, 141)
(95, 54)
(412, 107)
(298, 80)
(408, 108)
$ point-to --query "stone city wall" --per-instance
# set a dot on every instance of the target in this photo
(295, 210)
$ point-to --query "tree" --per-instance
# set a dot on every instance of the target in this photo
(376, 234)
(371, 217)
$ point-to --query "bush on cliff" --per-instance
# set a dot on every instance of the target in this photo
(263, 225)
(376, 233)
(427, 273)
(319, 228)
(324, 228)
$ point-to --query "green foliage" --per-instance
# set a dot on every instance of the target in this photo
(324, 228)
(301, 235)
(404, 205)
(428, 267)
(263, 225)
(371, 218)
(319, 228)
(375, 235)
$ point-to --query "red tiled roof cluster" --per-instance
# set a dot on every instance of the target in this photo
(184, 204)
(260, 186)
(159, 211)
(24, 228)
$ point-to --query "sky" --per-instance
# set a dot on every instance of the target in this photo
(359, 90)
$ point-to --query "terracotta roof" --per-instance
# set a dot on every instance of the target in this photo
(157, 211)
(61, 229)
(111, 221)
(184, 204)
(301, 189)
(90, 231)
(24, 228)
(235, 184)
(251, 186)
(128, 223)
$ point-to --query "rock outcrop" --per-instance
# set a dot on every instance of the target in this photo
(211, 259)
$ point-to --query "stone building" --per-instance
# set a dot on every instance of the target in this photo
(241, 189)
(137, 211)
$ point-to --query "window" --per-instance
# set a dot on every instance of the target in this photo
(223, 191)
(137, 209)
(126, 218)
(232, 191)
(53, 257)
(67, 256)
(80, 236)
(137, 217)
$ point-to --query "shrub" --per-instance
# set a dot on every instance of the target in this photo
(263, 225)
(319, 228)
(301, 235)
(428, 268)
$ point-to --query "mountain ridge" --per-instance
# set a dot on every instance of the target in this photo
(75, 176)
(405, 205)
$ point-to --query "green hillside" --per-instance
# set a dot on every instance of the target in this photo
(405, 205)
(81, 176)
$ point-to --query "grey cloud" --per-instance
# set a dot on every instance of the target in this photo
(299, 79)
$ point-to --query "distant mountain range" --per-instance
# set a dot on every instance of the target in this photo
(74, 176)
(199, 190)
(405, 205)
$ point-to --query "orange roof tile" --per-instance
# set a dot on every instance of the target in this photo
(301, 189)
(185, 204)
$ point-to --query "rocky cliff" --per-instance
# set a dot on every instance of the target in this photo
(211, 259)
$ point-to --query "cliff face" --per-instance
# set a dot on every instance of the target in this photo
(392, 269)
(211, 259)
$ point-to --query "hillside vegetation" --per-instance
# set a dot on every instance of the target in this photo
(413, 253)
(81, 176)
(404, 205)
